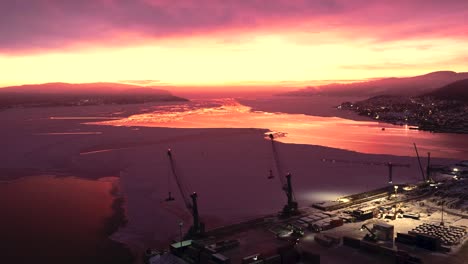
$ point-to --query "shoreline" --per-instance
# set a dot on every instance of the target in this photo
(414, 125)
(311, 105)
(110, 225)
(213, 153)
(115, 222)
(331, 110)
(73, 219)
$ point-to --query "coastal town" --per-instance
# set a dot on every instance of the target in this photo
(423, 113)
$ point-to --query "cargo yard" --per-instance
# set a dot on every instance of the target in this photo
(407, 226)
(398, 223)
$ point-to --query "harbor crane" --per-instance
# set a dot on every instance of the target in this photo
(198, 228)
(291, 206)
(429, 168)
(370, 236)
(390, 165)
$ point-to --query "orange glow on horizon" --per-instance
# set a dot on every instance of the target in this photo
(292, 59)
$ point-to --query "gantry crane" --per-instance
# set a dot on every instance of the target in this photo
(198, 228)
(291, 206)
(390, 165)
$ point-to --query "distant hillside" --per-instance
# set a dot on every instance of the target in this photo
(408, 86)
(88, 88)
(454, 91)
(441, 110)
(66, 94)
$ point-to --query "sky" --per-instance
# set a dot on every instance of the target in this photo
(228, 42)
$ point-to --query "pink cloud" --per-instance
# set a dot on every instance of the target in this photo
(27, 26)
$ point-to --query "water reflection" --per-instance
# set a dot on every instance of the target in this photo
(361, 136)
(57, 220)
(68, 133)
(80, 117)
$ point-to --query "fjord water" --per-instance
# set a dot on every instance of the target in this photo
(58, 220)
(361, 136)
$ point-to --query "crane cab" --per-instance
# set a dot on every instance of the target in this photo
(270, 176)
(169, 198)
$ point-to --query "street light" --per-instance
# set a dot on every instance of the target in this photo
(180, 230)
(442, 215)
(396, 188)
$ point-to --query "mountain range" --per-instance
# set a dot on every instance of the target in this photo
(66, 94)
(83, 88)
(406, 86)
(455, 91)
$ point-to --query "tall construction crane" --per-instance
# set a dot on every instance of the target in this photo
(286, 185)
(390, 165)
(428, 177)
(198, 227)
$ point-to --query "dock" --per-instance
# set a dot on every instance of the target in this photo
(377, 225)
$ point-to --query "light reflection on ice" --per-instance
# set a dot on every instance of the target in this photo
(80, 117)
(361, 136)
(70, 133)
(320, 195)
